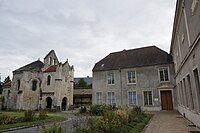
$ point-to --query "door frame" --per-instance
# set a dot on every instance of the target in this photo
(172, 93)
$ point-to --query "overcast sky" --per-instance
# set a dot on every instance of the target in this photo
(84, 31)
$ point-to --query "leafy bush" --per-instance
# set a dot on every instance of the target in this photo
(123, 116)
(99, 109)
(54, 129)
(29, 115)
(96, 110)
(5, 119)
(42, 114)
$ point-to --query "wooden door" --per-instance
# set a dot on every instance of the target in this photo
(166, 100)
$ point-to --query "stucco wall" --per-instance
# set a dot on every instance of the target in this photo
(147, 78)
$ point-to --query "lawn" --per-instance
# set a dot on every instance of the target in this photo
(36, 121)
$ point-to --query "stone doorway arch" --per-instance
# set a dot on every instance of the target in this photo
(64, 103)
(49, 102)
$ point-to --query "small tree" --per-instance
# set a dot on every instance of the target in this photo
(81, 83)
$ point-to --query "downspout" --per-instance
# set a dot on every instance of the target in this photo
(120, 78)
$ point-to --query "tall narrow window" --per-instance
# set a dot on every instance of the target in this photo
(18, 84)
(148, 100)
(190, 92)
(54, 61)
(131, 77)
(182, 93)
(34, 85)
(50, 60)
(197, 84)
(179, 94)
(164, 75)
(99, 98)
(111, 98)
(185, 93)
(111, 79)
(48, 80)
(132, 98)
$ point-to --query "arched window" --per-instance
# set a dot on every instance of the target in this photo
(48, 80)
(18, 84)
(34, 85)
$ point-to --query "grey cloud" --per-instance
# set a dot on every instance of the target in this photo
(82, 31)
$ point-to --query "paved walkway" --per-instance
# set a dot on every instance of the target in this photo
(67, 125)
(169, 122)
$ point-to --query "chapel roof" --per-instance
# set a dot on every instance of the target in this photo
(34, 66)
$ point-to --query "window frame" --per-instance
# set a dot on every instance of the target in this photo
(132, 99)
(162, 68)
(112, 100)
(99, 101)
(131, 71)
(111, 78)
(148, 105)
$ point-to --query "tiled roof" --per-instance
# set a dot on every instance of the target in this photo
(52, 68)
(146, 56)
(34, 66)
(7, 84)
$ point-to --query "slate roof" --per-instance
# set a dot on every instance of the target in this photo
(52, 68)
(34, 66)
(145, 56)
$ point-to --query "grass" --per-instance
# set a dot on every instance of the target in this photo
(36, 121)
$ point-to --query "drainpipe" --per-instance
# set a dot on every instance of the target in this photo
(120, 78)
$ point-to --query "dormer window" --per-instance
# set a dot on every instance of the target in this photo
(48, 80)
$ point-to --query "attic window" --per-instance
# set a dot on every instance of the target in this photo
(102, 65)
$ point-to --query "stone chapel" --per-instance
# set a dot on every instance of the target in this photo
(42, 85)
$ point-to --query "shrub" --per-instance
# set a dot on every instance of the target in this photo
(83, 109)
(54, 129)
(138, 109)
(123, 116)
(5, 119)
(96, 110)
(42, 114)
(29, 115)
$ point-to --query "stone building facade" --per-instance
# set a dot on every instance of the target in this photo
(138, 77)
(185, 47)
(46, 85)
